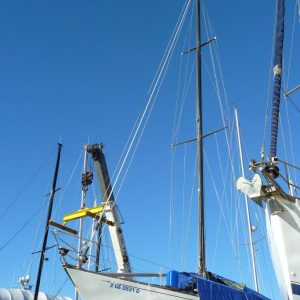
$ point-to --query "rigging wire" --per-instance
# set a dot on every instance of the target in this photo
(283, 142)
(27, 184)
(241, 221)
(69, 180)
(151, 88)
(217, 240)
(40, 211)
(109, 247)
(213, 48)
(172, 160)
(61, 288)
(189, 214)
(186, 45)
(183, 206)
(293, 103)
(224, 193)
(291, 49)
(286, 88)
(152, 95)
(268, 270)
(178, 113)
(224, 173)
(290, 135)
(135, 147)
(224, 115)
(21, 228)
(235, 252)
(214, 79)
(35, 242)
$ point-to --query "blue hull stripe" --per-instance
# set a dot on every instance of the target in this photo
(295, 288)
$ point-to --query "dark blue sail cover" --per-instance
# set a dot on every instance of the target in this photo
(277, 77)
(214, 288)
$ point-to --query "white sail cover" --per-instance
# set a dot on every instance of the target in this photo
(250, 187)
(21, 294)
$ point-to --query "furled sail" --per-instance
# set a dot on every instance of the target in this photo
(277, 77)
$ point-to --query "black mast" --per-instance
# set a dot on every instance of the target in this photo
(201, 238)
(42, 257)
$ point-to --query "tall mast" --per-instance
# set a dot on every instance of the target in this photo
(201, 238)
(277, 77)
(42, 257)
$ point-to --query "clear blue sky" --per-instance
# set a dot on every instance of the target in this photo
(79, 71)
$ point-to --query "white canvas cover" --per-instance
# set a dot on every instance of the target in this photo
(21, 294)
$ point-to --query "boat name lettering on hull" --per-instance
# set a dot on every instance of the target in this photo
(124, 287)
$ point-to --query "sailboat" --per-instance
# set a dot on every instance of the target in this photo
(126, 284)
(281, 206)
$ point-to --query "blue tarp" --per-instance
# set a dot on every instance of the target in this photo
(214, 288)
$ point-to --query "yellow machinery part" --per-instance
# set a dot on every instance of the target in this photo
(82, 213)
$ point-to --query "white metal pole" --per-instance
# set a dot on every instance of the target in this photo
(82, 205)
(93, 228)
(247, 204)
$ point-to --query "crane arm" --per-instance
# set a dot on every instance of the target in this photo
(111, 209)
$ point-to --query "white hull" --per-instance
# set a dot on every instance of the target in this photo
(98, 286)
(284, 241)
